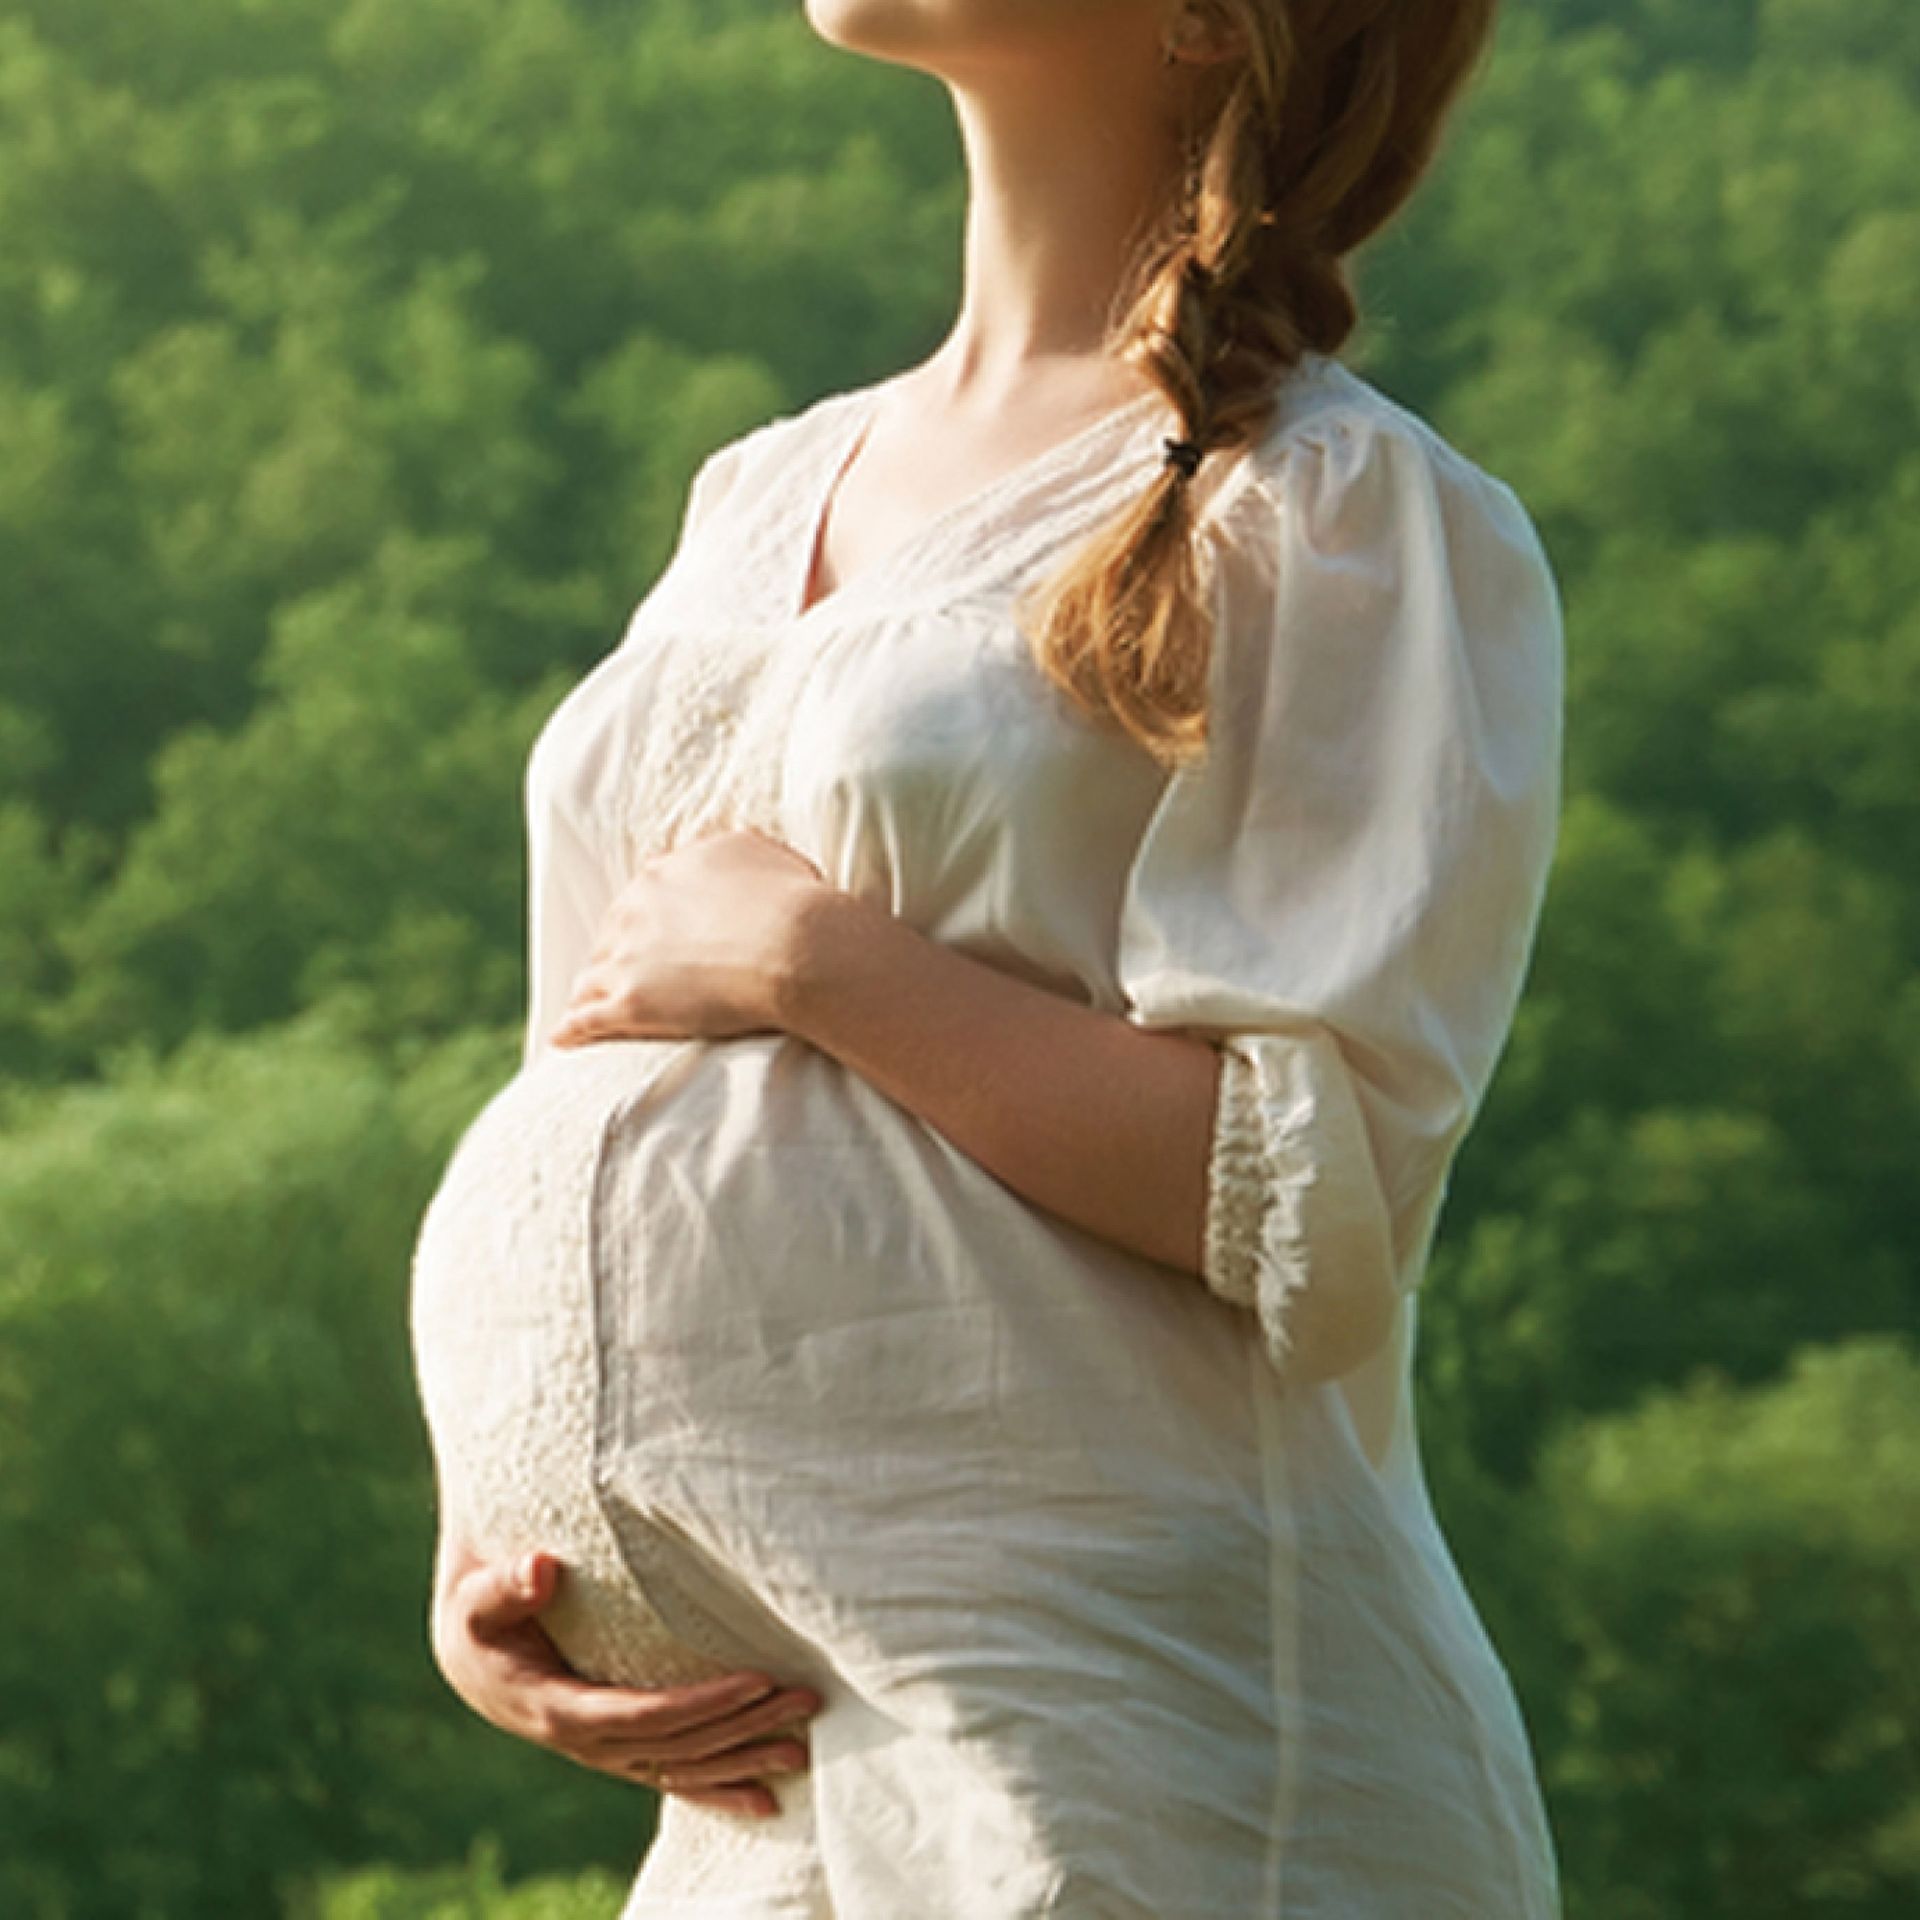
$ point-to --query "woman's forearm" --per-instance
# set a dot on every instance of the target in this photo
(1104, 1123)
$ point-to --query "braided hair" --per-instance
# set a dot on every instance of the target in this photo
(1316, 129)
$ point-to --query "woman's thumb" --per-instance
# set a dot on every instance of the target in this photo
(512, 1591)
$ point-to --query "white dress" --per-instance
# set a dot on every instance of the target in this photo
(1112, 1617)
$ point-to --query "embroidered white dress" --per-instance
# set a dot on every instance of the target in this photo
(1114, 1616)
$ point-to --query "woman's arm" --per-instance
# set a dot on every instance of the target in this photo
(1109, 1124)
(1105, 1123)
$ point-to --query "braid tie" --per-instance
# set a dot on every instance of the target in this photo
(1184, 454)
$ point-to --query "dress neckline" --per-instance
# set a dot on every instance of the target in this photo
(843, 447)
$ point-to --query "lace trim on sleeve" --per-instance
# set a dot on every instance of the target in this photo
(1259, 1174)
(1236, 1182)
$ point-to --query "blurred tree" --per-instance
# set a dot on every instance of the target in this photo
(476, 1890)
(1736, 1580)
(362, 824)
(216, 1520)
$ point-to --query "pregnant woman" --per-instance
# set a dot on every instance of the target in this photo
(1021, 925)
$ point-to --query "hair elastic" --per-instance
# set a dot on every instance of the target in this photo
(1184, 454)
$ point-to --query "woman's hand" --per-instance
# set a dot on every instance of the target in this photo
(713, 1739)
(695, 944)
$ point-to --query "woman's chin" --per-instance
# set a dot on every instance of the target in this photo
(919, 33)
(984, 45)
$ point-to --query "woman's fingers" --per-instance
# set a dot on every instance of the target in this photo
(715, 1724)
(492, 1598)
(599, 1712)
(615, 1723)
(568, 1717)
(743, 1767)
(499, 1594)
(758, 1801)
(714, 1741)
(498, 1602)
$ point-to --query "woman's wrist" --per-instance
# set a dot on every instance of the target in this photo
(819, 926)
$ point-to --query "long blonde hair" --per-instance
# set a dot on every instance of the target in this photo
(1315, 131)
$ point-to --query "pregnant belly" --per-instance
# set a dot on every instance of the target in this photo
(729, 1294)
(502, 1323)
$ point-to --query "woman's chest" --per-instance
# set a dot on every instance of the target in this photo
(918, 757)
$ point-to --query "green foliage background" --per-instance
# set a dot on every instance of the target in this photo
(354, 359)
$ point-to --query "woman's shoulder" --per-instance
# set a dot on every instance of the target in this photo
(764, 449)
(753, 465)
(1354, 504)
(1344, 468)
(1342, 427)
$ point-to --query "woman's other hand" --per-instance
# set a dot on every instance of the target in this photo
(696, 945)
(714, 1739)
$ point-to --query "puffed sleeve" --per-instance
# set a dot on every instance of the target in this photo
(1345, 891)
(567, 889)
